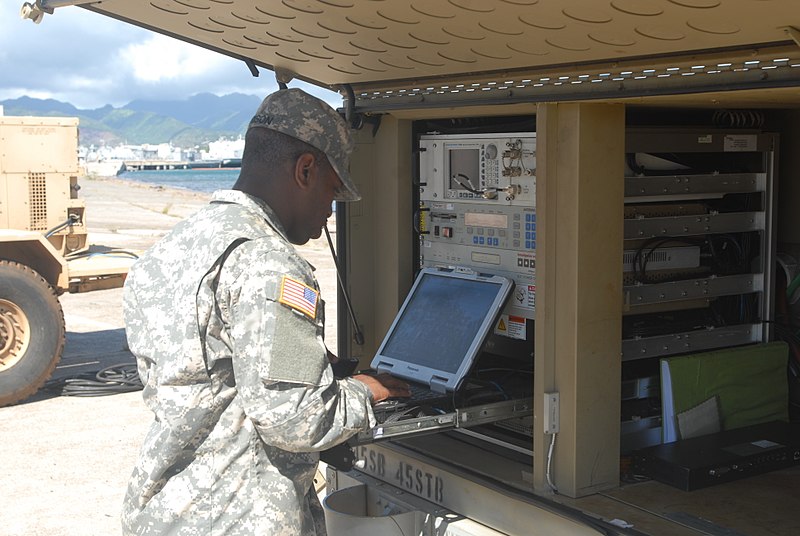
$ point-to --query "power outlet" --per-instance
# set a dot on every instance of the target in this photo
(551, 413)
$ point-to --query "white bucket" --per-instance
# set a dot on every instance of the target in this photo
(349, 512)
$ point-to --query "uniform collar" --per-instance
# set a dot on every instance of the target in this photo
(253, 204)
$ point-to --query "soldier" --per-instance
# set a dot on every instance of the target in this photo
(226, 323)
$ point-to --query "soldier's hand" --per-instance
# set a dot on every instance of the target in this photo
(384, 386)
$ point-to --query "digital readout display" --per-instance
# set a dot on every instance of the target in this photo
(481, 219)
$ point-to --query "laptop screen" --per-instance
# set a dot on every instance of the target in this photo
(441, 326)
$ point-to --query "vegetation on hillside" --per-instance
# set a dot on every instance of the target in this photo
(188, 123)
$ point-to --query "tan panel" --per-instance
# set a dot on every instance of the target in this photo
(16, 201)
(357, 41)
(578, 295)
(60, 206)
(31, 249)
(38, 144)
(39, 163)
(360, 261)
(380, 275)
(39, 202)
(4, 205)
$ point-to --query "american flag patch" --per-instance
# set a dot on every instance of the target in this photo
(299, 296)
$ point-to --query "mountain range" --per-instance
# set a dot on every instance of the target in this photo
(184, 123)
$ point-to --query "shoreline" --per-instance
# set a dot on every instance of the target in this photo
(141, 184)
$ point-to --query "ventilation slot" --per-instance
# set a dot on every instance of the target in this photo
(37, 195)
(660, 255)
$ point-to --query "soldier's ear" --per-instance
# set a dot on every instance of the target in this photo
(303, 170)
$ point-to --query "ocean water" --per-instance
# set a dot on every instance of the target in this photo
(199, 180)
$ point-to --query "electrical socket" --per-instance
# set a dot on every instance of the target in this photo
(551, 413)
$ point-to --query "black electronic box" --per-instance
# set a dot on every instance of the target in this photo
(704, 461)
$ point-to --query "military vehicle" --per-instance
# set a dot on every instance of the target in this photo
(44, 248)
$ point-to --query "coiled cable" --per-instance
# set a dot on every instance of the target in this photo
(120, 378)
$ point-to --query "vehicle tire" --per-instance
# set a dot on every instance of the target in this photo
(32, 331)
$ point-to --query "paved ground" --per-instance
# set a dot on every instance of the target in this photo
(66, 460)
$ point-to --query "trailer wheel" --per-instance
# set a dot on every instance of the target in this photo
(31, 332)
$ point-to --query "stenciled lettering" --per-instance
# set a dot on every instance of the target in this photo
(375, 462)
(422, 483)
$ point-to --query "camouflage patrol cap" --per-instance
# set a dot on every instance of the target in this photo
(297, 114)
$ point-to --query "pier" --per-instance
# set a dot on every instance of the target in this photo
(166, 165)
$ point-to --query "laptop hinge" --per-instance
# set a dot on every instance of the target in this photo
(384, 367)
(438, 384)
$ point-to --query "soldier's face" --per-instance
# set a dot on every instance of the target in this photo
(325, 187)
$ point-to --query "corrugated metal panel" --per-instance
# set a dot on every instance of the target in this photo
(389, 45)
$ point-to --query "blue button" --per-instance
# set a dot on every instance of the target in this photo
(527, 226)
(528, 244)
(533, 235)
(533, 244)
(533, 227)
(480, 240)
(474, 239)
(528, 217)
(533, 217)
(496, 241)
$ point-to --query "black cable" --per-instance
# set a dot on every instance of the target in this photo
(725, 260)
(120, 378)
(634, 165)
(719, 253)
(110, 253)
(402, 415)
(69, 222)
(358, 334)
(640, 260)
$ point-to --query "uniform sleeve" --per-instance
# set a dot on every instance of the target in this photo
(282, 374)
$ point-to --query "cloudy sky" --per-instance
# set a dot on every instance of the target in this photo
(89, 60)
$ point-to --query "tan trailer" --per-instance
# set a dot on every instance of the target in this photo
(652, 119)
(43, 248)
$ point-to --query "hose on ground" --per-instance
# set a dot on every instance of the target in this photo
(120, 378)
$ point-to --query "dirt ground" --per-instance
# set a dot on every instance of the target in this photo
(66, 460)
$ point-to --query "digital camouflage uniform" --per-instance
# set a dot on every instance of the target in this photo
(242, 392)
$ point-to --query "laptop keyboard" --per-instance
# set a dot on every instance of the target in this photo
(422, 392)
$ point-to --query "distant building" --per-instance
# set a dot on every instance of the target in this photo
(219, 150)
(222, 149)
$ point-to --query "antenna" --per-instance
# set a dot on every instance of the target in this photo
(359, 337)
